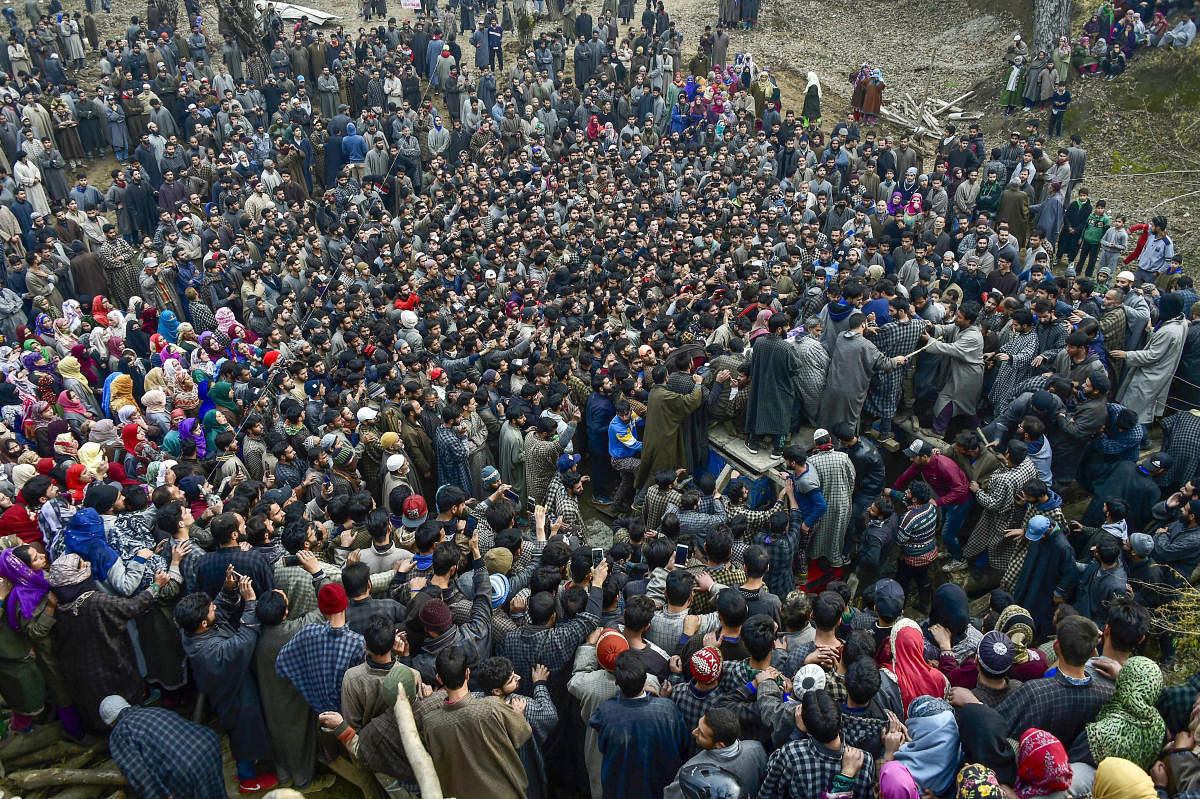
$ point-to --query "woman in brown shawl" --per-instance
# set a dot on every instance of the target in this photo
(91, 638)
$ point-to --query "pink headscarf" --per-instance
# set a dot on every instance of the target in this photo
(895, 782)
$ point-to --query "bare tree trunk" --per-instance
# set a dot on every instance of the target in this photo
(238, 18)
(169, 11)
(1051, 19)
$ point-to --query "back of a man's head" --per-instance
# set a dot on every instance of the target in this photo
(821, 716)
(1077, 640)
(630, 674)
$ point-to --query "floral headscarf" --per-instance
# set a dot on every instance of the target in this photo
(1042, 765)
(978, 782)
(43, 325)
(73, 313)
(225, 319)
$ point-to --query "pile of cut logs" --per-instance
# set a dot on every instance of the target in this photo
(929, 117)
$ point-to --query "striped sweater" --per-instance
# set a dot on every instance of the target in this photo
(917, 536)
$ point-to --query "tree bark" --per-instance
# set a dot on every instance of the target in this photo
(1051, 19)
(238, 18)
(52, 777)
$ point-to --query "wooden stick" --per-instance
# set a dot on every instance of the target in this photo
(918, 349)
(53, 777)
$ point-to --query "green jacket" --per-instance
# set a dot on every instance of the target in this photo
(1097, 224)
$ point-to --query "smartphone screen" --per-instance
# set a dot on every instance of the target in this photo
(681, 554)
(597, 556)
(512, 495)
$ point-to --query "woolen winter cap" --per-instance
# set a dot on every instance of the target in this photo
(489, 475)
(500, 586)
(1141, 544)
(435, 616)
(498, 560)
(1042, 400)
(395, 462)
(610, 644)
(111, 707)
(100, 497)
(332, 599)
(388, 439)
(706, 664)
(995, 653)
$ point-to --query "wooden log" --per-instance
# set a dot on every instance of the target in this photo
(80, 792)
(414, 750)
(967, 115)
(943, 105)
(54, 777)
(48, 754)
(20, 745)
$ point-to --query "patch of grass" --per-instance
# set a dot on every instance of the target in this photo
(1122, 162)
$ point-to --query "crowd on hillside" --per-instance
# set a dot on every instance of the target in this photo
(307, 405)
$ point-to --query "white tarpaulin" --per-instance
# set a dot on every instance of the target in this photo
(292, 12)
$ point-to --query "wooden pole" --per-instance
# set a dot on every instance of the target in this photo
(414, 749)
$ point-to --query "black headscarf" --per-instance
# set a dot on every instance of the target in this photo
(981, 731)
(951, 609)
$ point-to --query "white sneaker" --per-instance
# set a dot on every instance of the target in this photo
(955, 566)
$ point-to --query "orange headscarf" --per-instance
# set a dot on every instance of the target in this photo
(913, 672)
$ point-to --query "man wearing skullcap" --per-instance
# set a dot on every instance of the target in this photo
(161, 753)
(474, 637)
(592, 684)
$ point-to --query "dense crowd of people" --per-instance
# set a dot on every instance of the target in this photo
(380, 377)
